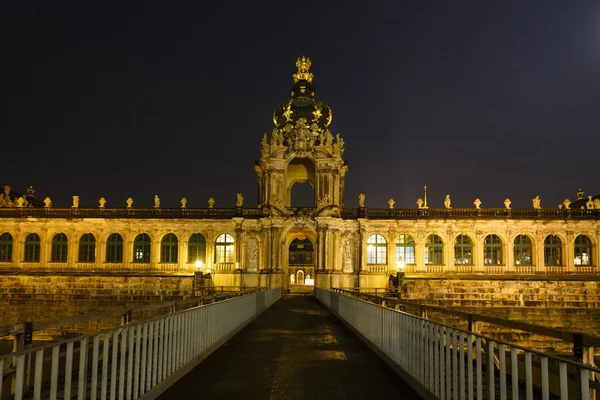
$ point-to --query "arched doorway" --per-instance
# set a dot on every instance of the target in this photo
(301, 258)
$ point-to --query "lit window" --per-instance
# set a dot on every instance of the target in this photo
(168, 248)
(114, 249)
(552, 251)
(523, 251)
(434, 250)
(32, 248)
(463, 250)
(583, 250)
(492, 250)
(197, 249)
(87, 248)
(141, 248)
(60, 248)
(224, 249)
(6, 247)
(405, 249)
(376, 250)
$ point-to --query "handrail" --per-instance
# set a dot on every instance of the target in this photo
(573, 337)
(186, 213)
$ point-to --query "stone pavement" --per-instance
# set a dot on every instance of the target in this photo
(294, 350)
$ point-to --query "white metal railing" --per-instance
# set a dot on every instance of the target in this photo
(450, 363)
(137, 360)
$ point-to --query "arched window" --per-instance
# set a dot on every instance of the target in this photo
(552, 251)
(434, 250)
(405, 249)
(6, 247)
(523, 251)
(168, 248)
(141, 248)
(32, 248)
(583, 250)
(492, 250)
(463, 250)
(87, 248)
(224, 249)
(197, 249)
(376, 250)
(60, 248)
(114, 249)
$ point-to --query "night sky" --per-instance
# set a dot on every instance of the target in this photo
(488, 99)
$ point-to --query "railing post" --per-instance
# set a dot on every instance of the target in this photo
(423, 312)
(126, 318)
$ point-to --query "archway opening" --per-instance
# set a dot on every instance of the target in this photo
(302, 195)
(301, 263)
(302, 171)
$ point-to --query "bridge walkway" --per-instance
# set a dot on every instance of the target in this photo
(296, 349)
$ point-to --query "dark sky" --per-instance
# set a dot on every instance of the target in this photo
(488, 99)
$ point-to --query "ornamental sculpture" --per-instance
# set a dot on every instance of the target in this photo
(211, 202)
(21, 201)
(31, 191)
(156, 201)
(419, 203)
(580, 194)
(47, 202)
(303, 64)
(102, 202)
(447, 202)
(536, 201)
(597, 203)
(183, 202)
(361, 200)
(507, 203)
(477, 203)
(391, 203)
(240, 200)
(129, 202)
(75, 202)
(566, 203)
(590, 203)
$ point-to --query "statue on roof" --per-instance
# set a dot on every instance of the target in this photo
(507, 203)
(536, 202)
(447, 202)
(75, 202)
(156, 201)
(580, 194)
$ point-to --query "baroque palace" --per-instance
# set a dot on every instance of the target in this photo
(327, 245)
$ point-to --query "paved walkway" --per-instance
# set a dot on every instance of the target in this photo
(295, 350)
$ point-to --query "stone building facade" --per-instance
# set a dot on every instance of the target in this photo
(351, 247)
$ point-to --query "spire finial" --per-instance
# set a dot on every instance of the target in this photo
(303, 64)
(425, 205)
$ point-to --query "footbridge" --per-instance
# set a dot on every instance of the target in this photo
(333, 344)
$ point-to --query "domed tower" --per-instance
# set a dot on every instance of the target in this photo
(301, 149)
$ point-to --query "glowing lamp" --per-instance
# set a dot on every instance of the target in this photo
(199, 264)
(400, 264)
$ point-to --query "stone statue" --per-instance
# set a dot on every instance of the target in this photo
(183, 202)
(129, 202)
(20, 201)
(102, 202)
(391, 203)
(322, 138)
(274, 137)
(560, 206)
(580, 194)
(597, 203)
(211, 202)
(347, 257)
(7, 191)
(477, 203)
(447, 202)
(75, 202)
(419, 203)
(507, 203)
(361, 200)
(47, 202)
(156, 201)
(590, 203)
(566, 203)
(328, 138)
(536, 201)
(240, 200)
(30, 191)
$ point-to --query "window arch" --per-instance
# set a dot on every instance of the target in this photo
(405, 249)
(463, 250)
(32, 248)
(114, 249)
(141, 248)
(523, 250)
(376, 250)
(197, 248)
(60, 248)
(492, 250)
(87, 248)
(224, 249)
(552, 251)
(583, 250)
(169, 245)
(434, 250)
(6, 247)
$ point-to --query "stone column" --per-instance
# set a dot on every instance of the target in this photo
(569, 253)
(510, 252)
(127, 248)
(99, 250)
(392, 265)
(540, 266)
(155, 251)
(182, 252)
(45, 246)
(17, 255)
(238, 247)
(480, 265)
(420, 252)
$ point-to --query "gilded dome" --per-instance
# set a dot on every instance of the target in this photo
(303, 104)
